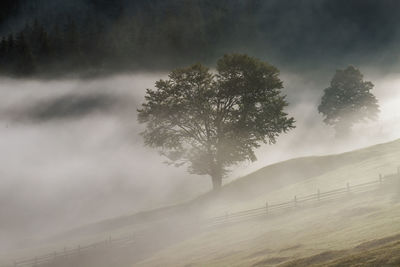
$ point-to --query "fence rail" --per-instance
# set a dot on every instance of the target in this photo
(296, 202)
(70, 252)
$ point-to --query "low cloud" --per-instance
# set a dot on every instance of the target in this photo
(69, 107)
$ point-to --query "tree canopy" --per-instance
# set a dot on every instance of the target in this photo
(348, 100)
(213, 121)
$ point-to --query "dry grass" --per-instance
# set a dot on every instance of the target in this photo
(316, 234)
(339, 232)
(379, 252)
(310, 236)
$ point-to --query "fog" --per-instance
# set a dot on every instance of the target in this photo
(313, 137)
(71, 152)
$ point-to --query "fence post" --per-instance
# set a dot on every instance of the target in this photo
(79, 249)
(380, 179)
(348, 187)
(65, 252)
(266, 207)
(319, 195)
(15, 264)
(295, 201)
(36, 260)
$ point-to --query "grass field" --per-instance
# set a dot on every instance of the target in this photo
(332, 233)
(303, 176)
(310, 235)
(353, 230)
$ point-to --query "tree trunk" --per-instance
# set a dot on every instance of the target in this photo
(217, 182)
(343, 130)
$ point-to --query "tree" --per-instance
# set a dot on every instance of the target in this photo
(348, 100)
(72, 45)
(213, 121)
(3, 50)
(25, 64)
(57, 44)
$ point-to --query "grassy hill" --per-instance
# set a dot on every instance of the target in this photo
(355, 230)
(349, 231)
(302, 176)
(276, 182)
(333, 232)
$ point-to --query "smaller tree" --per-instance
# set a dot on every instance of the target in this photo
(348, 100)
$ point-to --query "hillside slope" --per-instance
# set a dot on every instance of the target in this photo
(344, 232)
(276, 182)
(161, 235)
(355, 229)
(283, 180)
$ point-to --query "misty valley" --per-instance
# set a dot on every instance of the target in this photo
(199, 133)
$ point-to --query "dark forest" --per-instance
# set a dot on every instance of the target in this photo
(40, 37)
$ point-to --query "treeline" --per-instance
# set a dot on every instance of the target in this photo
(78, 35)
(36, 49)
(152, 36)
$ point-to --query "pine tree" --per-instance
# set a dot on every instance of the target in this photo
(72, 46)
(10, 43)
(57, 43)
(24, 60)
(3, 54)
(9, 57)
(44, 47)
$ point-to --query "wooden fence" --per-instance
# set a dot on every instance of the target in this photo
(294, 203)
(73, 252)
(299, 201)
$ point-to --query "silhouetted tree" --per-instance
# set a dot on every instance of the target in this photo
(348, 100)
(24, 61)
(44, 45)
(9, 57)
(3, 46)
(57, 43)
(3, 54)
(212, 121)
(10, 43)
(72, 45)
